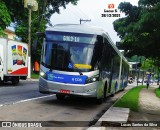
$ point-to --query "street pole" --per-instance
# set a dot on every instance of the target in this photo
(32, 5)
(87, 20)
(29, 43)
(29, 33)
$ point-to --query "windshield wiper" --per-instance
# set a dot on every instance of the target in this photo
(78, 70)
(49, 66)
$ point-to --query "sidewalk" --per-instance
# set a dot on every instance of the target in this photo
(149, 106)
(149, 110)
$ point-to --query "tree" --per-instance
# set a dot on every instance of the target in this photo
(140, 29)
(5, 18)
(17, 14)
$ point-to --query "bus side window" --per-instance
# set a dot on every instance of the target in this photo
(98, 52)
(107, 55)
(99, 46)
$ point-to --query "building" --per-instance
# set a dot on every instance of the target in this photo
(135, 70)
(9, 34)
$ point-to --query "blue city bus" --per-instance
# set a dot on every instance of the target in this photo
(81, 60)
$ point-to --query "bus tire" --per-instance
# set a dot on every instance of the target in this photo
(99, 101)
(60, 96)
(113, 93)
(15, 81)
(1, 82)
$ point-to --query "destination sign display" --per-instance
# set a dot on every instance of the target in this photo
(70, 37)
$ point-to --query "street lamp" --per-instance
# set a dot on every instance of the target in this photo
(32, 5)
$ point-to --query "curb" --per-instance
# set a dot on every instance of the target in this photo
(109, 113)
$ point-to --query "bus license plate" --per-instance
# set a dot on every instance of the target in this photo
(65, 91)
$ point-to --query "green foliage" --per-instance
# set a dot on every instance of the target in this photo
(157, 90)
(14, 11)
(140, 29)
(34, 76)
(130, 99)
(5, 18)
(147, 64)
(148, 3)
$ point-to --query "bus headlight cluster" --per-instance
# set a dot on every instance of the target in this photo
(92, 79)
(42, 74)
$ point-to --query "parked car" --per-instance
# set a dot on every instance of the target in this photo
(130, 80)
(140, 80)
(145, 80)
(151, 81)
(156, 80)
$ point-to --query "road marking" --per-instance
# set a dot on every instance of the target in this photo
(26, 100)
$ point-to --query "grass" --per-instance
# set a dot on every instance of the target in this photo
(34, 76)
(130, 99)
(157, 92)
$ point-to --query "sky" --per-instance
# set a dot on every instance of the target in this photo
(91, 9)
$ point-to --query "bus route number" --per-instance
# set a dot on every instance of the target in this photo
(71, 39)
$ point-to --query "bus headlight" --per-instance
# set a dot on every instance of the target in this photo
(42, 74)
(92, 79)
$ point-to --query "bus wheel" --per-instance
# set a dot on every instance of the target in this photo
(15, 80)
(100, 101)
(113, 93)
(60, 96)
(1, 82)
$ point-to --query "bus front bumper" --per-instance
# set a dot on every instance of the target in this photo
(50, 87)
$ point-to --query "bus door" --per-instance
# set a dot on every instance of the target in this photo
(1, 62)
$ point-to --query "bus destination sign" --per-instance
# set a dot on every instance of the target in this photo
(71, 38)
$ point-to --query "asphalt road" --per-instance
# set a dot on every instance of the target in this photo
(24, 90)
(25, 103)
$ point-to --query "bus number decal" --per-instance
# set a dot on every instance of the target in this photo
(77, 79)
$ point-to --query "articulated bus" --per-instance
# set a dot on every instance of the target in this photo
(81, 60)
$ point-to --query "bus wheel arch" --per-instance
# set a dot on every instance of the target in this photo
(103, 98)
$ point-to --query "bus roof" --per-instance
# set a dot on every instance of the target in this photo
(77, 28)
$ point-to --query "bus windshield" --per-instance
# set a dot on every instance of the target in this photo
(69, 52)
